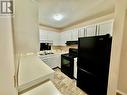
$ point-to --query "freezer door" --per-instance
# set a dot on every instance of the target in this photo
(90, 83)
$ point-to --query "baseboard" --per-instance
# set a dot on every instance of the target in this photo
(118, 92)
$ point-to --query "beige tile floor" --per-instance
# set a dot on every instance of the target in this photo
(66, 85)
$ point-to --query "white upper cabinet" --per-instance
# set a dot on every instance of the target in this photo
(91, 30)
(81, 32)
(54, 37)
(56, 40)
(105, 28)
(62, 38)
(43, 35)
(74, 35)
(49, 37)
(65, 36)
(68, 35)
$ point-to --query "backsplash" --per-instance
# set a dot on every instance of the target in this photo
(63, 48)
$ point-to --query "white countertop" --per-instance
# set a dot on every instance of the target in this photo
(45, 89)
(55, 52)
(32, 71)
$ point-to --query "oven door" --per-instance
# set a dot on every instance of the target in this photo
(67, 65)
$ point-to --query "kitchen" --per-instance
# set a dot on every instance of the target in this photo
(66, 60)
(61, 42)
(52, 47)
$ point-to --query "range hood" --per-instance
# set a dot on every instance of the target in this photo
(71, 43)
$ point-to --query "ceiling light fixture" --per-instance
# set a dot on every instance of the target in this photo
(58, 17)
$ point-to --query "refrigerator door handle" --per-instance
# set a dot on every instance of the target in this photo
(86, 72)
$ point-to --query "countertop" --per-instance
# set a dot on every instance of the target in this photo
(46, 89)
(32, 71)
(54, 53)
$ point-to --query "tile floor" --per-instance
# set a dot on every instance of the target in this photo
(66, 85)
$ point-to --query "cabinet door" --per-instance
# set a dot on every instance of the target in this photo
(56, 40)
(62, 38)
(81, 32)
(50, 35)
(43, 35)
(52, 60)
(54, 37)
(106, 28)
(91, 30)
(68, 35)
(74, 34)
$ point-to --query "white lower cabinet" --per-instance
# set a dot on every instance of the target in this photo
(52, 60)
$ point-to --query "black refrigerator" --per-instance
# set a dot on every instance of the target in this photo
(93, 64)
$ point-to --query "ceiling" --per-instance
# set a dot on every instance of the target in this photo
(73, 10)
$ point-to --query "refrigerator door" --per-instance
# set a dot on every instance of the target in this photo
(93, 54)
(90, 83)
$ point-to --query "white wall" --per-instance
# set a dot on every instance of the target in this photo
(26, 34)
(118, 32)
(25, 26)
(122, 82)
(6, 57)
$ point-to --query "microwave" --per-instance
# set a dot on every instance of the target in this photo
(45, 46)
